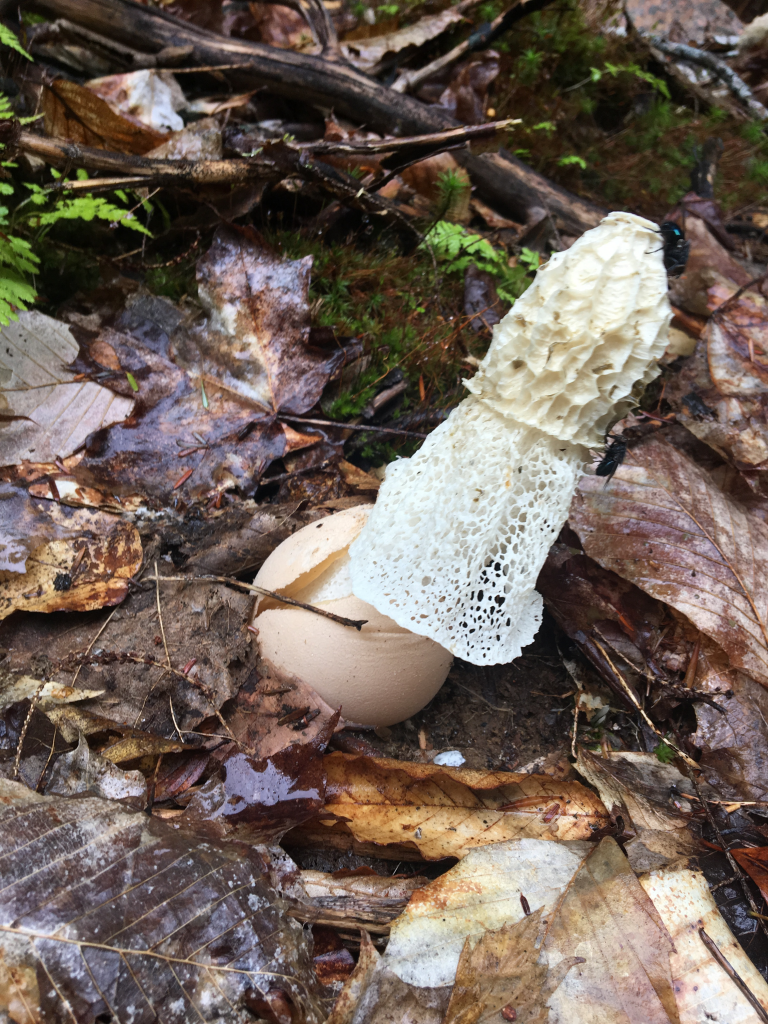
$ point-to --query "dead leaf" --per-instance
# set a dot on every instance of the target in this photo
(15, 688)
(605, 917)
(445, 812)
(755, 862)
(721, 393)
(153, 452)
(366, 53)
(209, 644)
(68, 491)
(81, 559)
(735, 745)
(84, 771)
(116, 913)
(265, 718)
(592, 906)
(75, 113)
(652, 794)
(664, 525)
(481, 300)
(148, 98)
(259, 800)
(708, 262)
(46, 413)
(256, 341)
(356, 984)
(502, 970)
(703, 990)
(200, 141)
(466, 95)
(277, 25)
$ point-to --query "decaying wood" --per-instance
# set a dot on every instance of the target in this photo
(275, 162)
(505, 182)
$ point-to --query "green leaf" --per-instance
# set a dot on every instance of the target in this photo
(132, 381)
(566, 161)
(9, 38)
(665, 753)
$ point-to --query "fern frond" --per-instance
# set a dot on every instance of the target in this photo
(88, 207)
(9, 38)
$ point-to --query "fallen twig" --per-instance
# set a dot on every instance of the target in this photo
(500, 178)
(735, 83)
(353, 426)
(230, 581)
(751, 998)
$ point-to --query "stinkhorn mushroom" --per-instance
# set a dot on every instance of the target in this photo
(459, 532)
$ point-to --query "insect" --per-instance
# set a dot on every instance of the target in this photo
(613, 456)
(676, 248)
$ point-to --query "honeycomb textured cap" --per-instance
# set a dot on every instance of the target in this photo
(459, 532)
(591, 326)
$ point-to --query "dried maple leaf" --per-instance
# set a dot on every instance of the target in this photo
(664, 525)
(109, 913)
(445, 812)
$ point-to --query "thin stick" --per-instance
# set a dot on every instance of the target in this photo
(22, 735)
(751, 998)
(50, 755)
(173, 716)
(90, 645)
(232, 582)
(731, 860)
(352, 426)
(689, 761)
(162, 628)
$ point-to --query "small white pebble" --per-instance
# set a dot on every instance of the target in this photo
(449, 758)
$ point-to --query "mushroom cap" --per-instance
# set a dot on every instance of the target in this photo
(590, 327)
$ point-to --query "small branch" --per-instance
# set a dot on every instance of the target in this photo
(230, 581)
(716, 65)
(751, 998)
(484, 36)
(352, 426)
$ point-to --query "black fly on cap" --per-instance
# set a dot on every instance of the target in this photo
(676, 248)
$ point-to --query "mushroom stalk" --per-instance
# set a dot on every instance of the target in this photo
(459, 532)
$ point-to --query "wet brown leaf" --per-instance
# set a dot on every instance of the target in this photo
(466, 95)
(47, 413)
(591, 907)
(268, 715)
(75, 113)
(755, 862)
(502, 970)
(445, 812)
(256, 341)
(664, 525)
(205, 627)
(109, 912)
(154, 452)
(261, 799)
(721, 394)
(84, 771)
(636, 784)
(63, 559)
